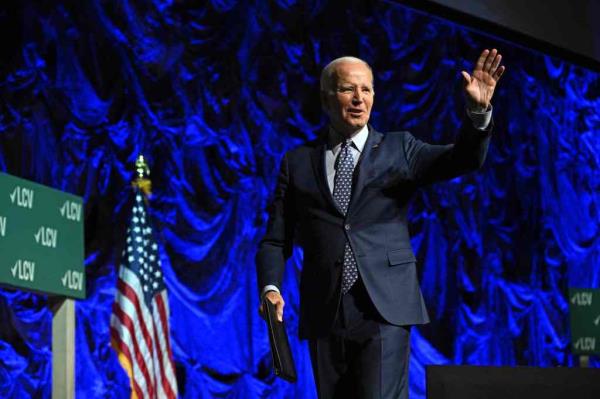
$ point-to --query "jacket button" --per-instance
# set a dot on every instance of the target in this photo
(347, 226)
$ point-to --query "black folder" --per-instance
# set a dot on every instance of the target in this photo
(280, 346)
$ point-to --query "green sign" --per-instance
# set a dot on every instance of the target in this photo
(584, 305)
(41, 238)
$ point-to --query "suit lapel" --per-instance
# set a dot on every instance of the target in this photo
(365, 163)
(318, 164)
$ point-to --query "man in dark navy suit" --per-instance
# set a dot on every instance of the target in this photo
(343, 198)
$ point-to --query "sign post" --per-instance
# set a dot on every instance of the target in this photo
(41, 250)
(63, 348)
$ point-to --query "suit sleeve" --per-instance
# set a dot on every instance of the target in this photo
(277, 244)
(428, 163)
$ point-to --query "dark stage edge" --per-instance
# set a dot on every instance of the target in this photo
(475, 382)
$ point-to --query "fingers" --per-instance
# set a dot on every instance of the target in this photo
(279, 309)
(276, 299)
(481, 61)
(490, 60)
(495, 63)
(499, 73)
(495, 69)
(466, 77)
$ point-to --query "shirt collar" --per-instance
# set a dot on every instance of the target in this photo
(359, 139)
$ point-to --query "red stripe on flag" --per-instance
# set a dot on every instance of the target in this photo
(162, 312)
(165, 382)
(167, 359)
(128, 324)
(132, 294)
(121, 347)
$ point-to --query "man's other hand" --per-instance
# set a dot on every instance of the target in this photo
(276, 299)
(480, 85)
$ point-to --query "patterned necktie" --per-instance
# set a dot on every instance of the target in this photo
(342, 189)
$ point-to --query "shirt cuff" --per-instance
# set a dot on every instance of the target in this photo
(480, 119)
(268, 288)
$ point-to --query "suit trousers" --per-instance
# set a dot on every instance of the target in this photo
(363, 357)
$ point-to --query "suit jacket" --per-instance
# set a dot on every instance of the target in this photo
(391, 167)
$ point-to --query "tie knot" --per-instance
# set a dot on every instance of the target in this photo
(347, 143)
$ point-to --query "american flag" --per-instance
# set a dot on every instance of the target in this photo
(139, 324)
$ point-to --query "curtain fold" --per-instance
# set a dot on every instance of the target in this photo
(213, 93)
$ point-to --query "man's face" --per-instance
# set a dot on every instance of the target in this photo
(348, 102)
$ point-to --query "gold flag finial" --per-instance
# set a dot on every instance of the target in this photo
(142, 175)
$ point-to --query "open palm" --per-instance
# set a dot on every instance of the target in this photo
(480, 85)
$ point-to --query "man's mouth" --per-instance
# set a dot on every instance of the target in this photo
(355, 111)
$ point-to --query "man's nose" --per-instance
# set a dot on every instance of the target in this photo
(357, 98)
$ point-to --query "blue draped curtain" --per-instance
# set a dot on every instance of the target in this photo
(213, 93)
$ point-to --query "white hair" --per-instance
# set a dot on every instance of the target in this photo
(329, 70)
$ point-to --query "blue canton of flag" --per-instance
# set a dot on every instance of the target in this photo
(142, 253)
(140, 315)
